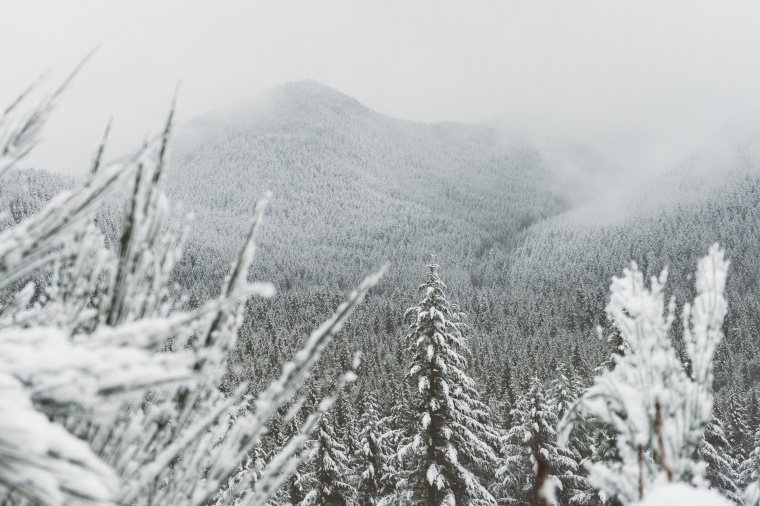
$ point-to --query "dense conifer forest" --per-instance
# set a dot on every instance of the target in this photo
(479, 344)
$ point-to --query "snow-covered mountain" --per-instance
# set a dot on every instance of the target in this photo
(352, 189)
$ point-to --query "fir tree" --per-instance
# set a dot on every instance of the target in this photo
(325, 479)
(396, 433)
(580, 445)
(370, 460)
(247, 475)
(345, 417)
(533, 437)
(507, 396)
(281, 432)
(452, 444)
(715, 451)
(750, 474)
(562, 392)
(753, 411)
(736, 426)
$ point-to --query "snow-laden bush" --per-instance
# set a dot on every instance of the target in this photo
(656, 407)
(109, 392)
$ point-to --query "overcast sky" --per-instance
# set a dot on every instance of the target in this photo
(643, 73)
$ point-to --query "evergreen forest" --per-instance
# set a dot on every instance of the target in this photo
(417, 314)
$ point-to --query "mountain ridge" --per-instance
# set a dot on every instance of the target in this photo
(315, 147)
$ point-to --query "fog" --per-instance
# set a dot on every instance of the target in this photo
(639, 85)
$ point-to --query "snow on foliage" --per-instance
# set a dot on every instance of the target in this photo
(533, 437)
(371, 459)
(680, 493)
(750, 474)
(657, 408)
(451, 451)
(326, 480)
(109, 393)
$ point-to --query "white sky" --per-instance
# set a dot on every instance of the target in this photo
(659, 76)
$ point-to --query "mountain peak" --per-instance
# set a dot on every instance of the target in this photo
(301, 103)
(311, 92)
(304, 87)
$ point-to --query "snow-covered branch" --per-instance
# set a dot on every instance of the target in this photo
(657, 410)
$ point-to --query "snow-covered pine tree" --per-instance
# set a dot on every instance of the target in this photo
(325, 480)
(562, 392)
(507, 400)
(565, 390)
(593, 442)
(370, 461)
(722, 468)
(533, 437)
(657, 412)
(452, 442)
(750, 474)
(244, 479)
(753, 410)
(345, 418)
(736, 424)
(396, 432)
(280, 432)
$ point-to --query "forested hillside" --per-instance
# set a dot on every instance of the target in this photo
(560, 264)
(353, 189)
(24, 192)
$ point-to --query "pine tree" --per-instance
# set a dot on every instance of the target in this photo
(345, 418)
(562, 392)
(370, 460)
(452, 444)
(396, 433)
(580, 445)
(507, 396)
(280, 434)
(750, 474)
(531, 438)
(753, 410)
(247, 475)
(325, 481)
(715, 451)
(736, 426)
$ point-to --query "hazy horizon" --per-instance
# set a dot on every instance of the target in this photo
(640, 84)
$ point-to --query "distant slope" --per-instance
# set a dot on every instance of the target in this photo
(352, 189)
(24, 192)
(563, 266)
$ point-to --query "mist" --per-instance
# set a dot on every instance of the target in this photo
(633, 87)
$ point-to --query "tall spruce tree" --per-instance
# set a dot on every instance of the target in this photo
(722, 468)
(750, 474)
(369, 462)
(736, 424)
(565, 389)
(396, 432)
(280, 432)
(325, 481)
(532, 438)
(248, 473)
(451, 449)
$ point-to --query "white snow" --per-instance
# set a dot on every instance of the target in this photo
(676, 494)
